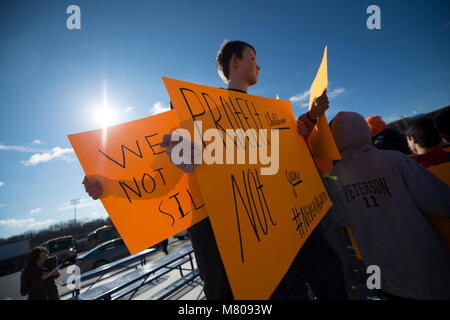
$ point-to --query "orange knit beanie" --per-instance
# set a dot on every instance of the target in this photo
(376, 125)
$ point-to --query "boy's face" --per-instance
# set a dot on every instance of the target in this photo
(411, 144)
(247, 67)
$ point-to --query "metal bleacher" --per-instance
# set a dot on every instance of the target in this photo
(127, 284)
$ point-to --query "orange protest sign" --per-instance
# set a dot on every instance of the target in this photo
(353, 241)
(441, 223)
(321, 138)
(262, 208)
(442, 171)
(147, 198)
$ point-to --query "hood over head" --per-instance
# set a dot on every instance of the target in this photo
(351, 133)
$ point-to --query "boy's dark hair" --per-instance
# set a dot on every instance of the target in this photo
(442, 121)
(224, 55)
(424, 132)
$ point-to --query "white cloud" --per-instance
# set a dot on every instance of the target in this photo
(29, 223)
(335, 93)
(96, 215)
(19, 148)
(301, 99)
(2, 205)
(37, 141)
(2, 183)
(35, 211)
(56, 152)
(159, 107)
(129, 109)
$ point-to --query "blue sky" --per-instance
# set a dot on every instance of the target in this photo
(52, 78)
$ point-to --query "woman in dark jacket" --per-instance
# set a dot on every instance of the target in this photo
(36, 281)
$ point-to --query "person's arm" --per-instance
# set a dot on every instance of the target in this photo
(430, 193)
(93, 188)
(337, 211)
(307, 121)
(169, 144)
(305, 125)
(54, 275)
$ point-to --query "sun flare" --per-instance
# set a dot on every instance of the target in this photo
(105, 116)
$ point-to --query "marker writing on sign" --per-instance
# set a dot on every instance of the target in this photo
(305, 217)
(181, 212)
(229, 112)
(294, 180)
(137, 153)
(249, 206)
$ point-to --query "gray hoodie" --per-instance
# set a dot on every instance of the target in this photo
(382, 196)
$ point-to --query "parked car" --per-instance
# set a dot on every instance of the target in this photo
(101, 235)
(105, 253)
(62, 247)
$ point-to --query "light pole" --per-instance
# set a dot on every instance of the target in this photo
(75, 202)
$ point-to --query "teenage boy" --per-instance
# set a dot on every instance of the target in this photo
(317, 263)
(236, 65)
(423, 139)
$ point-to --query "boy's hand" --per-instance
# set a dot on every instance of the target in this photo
(302, 129)
(319, 106)
(94, 189)
(169, 145)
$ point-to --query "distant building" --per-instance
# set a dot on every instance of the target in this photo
(12, 256)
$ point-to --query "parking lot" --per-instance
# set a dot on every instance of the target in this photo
(10, 284)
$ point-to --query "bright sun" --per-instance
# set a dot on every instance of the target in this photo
(105, 116)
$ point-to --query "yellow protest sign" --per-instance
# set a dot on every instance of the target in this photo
(321, 138)
(263, 206)
(147, 198)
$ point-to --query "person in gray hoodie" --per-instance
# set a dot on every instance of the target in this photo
(383, 195)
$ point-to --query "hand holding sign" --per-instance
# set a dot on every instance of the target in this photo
(321, 139)
(94, 188)
(170, 141)
(146, 197)
(319, 106)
